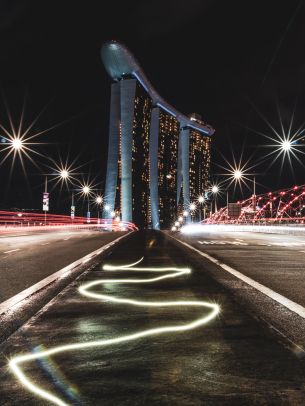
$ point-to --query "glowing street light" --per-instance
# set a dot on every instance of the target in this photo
(286, 145)
(16, 143)
(185, 213)
(174, 228)
(201, 200)
(86, 190)
(112, 214)
(177, 224)
(215, 190)
(64, 174)
(192, 209)
(180, 219)
(192, 206)
(237, 174)
(98, 200)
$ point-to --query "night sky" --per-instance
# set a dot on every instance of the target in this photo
(233, 62)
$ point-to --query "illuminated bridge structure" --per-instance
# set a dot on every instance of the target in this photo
(158, 158)
(285, 206)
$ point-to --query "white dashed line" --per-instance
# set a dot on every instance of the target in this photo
(45, 243)
(8, 252)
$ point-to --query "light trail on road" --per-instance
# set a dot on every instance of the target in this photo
(172, 272)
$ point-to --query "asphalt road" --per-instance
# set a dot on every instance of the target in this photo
(274, 260)
(28, 258)
(231, 360)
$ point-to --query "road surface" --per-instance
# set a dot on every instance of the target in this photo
(28, 258)
(230, 360)
(265, 272)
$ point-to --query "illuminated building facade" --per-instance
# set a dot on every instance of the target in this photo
(157, 157)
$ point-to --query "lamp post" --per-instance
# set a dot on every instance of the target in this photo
(86, 192)
(215, 190)
(98, 201)
(64, 176)
(201, 200)
(192, 209)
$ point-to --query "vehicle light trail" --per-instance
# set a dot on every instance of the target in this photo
(172, 272)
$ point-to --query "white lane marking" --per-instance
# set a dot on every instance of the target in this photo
(18, 299)
(238, 239)
(65, 239)
(303, 251)
(289, 304)
(8, 252)
(217, 242)
(45, 243)
(16, 362)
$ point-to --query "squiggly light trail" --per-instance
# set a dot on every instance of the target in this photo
(17, 361)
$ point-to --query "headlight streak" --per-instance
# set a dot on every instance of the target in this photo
(173, 272)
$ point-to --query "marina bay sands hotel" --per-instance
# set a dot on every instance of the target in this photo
(158, 159)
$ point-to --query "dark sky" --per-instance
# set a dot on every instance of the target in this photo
(230, 61)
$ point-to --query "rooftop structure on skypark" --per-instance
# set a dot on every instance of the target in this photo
(158, 158)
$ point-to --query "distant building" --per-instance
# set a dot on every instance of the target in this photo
(157, 157)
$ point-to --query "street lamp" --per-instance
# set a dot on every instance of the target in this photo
(201, 200)
(17, 144)
(215, 191)
(237, 174)
(185, 213)
(286, 145)
(64, 174)
(177, 224)
(98, 201)
(192, 209)
(192, 206)
(180, 219)
(86, 191)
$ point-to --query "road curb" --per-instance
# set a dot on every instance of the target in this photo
(15, 311)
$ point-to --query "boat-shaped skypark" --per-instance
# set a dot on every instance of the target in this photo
(158, 158)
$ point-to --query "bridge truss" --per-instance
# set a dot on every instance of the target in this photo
(282, 206)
